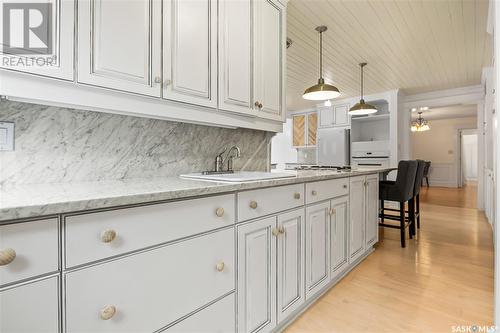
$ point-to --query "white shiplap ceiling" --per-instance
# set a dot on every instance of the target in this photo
(417, 45)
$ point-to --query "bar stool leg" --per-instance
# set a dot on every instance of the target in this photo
(411, 216)
(418, 211)
(382, 210)
(402, 223)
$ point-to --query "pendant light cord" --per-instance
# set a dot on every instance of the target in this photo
(321, 55)
(362, 82)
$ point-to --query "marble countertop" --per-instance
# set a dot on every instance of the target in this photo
(31, 200)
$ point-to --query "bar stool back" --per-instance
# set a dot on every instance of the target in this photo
(402, 191)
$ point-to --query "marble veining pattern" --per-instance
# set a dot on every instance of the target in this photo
(60, 145)
(31, 200)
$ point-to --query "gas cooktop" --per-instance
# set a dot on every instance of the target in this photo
(323, 167)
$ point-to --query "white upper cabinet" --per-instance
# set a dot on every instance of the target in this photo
(119, 45)
(190, 51)
(334, 116)
(235, 56)
(58, 63)
(269, 51)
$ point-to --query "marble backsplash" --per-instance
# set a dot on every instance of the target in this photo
(59, 145)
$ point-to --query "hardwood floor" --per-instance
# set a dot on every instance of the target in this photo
(442, 279)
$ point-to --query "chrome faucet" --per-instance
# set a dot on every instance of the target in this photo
(230, 157)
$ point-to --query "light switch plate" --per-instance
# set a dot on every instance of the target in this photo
(6, 136)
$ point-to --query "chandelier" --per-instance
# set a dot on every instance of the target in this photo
(420, 125)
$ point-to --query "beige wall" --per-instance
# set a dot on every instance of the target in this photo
(438, 144)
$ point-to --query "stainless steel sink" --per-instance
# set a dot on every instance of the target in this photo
(240, 176)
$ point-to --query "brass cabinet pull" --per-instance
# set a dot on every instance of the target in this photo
(157, 79)
(313, 192)
(253, 204)
(108, 236)
(219, 212)
(296, 195)
(220, 266)
(7, 256)
(108, 312)
(281, 229)
(275, 231)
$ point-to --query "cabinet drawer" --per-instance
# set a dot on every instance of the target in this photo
(256, 203)
(217, 318)
(35, 248)
(326, 189)
(33, 307)
(140, 227)
(152, 289)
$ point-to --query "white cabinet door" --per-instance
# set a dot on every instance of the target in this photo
(371, 206)
(119, 45)
(257, 276)
(235, 56)
(317, 247)
(341, 114)
(190, 51)
(151, 289)
(291, 262)
(357, 214)
(57, 59)
(32, 307)
(326, 117)
(339, 233)
(268, 58)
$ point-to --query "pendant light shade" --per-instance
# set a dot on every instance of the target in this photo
(321, 91)
(362, 108)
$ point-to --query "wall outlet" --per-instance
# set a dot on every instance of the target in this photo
(6, 136)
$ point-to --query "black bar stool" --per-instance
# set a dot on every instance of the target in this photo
(415, 202)
(401, 191)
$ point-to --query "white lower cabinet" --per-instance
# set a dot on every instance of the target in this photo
(270, 270)
(371, 207)
(364, 214)
(291, 262)
(147, 291)
(32, 307)
(216, 318)
(317, 247)
(257, 276)
(339, 235)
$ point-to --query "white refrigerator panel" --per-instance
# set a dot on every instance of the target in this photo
(333, 147)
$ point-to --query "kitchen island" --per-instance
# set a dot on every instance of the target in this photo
(180, 255)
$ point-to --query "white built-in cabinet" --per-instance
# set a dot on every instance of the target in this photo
(119, 46)
(257, 275)
(334, 116)
(317, 247)
(61, 58)
(339, 235)
(364, 214)
(190, 51)
(248, 261)
(270, 270)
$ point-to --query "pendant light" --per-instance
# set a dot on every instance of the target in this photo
(420, 125)
(362, 108)
(321, 91)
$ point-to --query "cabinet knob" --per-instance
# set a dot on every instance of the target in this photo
(344, 186)
(296, 195)
(108, 236)
(275, 231)
(313, 192)
(7, 256)
(281, 229)
(219, 212)
(157, 79)
(258, 104)
(253, 204)
(108, 312)
(332, 211)
(220, 266)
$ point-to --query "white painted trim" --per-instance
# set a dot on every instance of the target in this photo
(443, 175)
(26, 88)
(463, 95)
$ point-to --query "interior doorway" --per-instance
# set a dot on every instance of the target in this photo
(468, 159)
